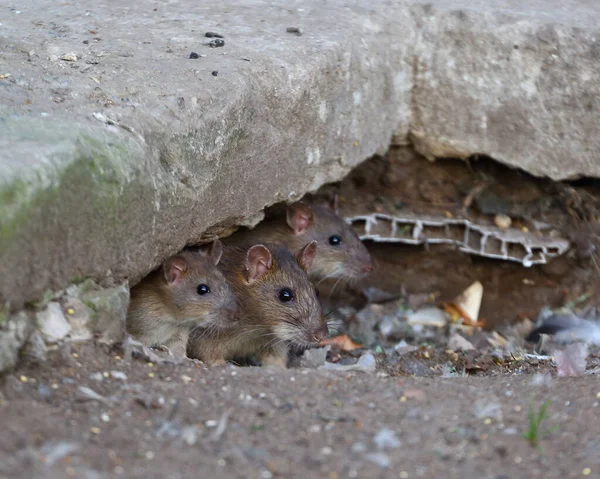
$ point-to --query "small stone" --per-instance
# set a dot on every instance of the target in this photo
(194, 56)
(502, 221)
(52, 323)
(95, 430)
(23, 379)
(53, 58)
(105, 417)
(186, 379)
(189, 435)
(458, 343)
(118, 375)
(36, 348)
(386, 439)
(213, 35)
(216, 43)
(488, 409)
(586, 471)
(297, 30)
(97, 377)
(69, 57)
(380, 459)
(211, 423)
(215, 73)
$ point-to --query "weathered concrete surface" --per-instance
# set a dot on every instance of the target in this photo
(112, 162)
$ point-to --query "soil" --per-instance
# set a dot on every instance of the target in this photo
(402, 181)
(288, 423)
(427, 412)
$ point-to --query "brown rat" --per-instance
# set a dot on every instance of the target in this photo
(278, 307)
(186, 291)
(341, 253)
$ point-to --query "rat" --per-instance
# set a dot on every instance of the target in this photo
(187, 290)
(341, 256)
(279, 307)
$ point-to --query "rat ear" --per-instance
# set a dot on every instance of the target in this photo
(307, 255)
(334, 203)
(258, 261)
(299, 217)
(173, 268)
(213, 251)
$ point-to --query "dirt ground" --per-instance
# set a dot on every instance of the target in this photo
(166, 420)
(91, 411)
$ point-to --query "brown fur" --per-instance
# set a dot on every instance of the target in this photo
(267, 325)
(347, 261)
(163, 312)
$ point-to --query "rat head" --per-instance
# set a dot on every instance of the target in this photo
(281, 295)
(341, 253)
(197, 290)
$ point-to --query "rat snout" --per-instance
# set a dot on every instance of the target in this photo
(232, 313)
(319, 334)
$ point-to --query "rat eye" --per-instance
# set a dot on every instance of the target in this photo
(317, 292)
(335, 240)
(286, 295)
(203, 289)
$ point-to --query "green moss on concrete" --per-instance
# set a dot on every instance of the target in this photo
(97, 168)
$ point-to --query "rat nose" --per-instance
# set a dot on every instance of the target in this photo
(320, 334)
(368, 266)
(233, 313)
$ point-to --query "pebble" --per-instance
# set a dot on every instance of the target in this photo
(216, 43)
(52, 323)
(386, 439)
(297, 30)
(215, 73)
(186, 379)
(379, 458)
(119, 375)
(458, 343)
(213, 35)
(211, 423)
(69, 57)
(488, 409)
(194, 56)
(502, 221)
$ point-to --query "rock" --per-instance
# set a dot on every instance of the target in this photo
(366, 363)
(379, 458)
(487, 408)
(458, 343)
(52, 323)
(69, 57)
(502, 221)
(35, 348)
(109, 312)
(571, 361)
(14, 331)
(386, 439)
(428, 317)
(313, 358)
